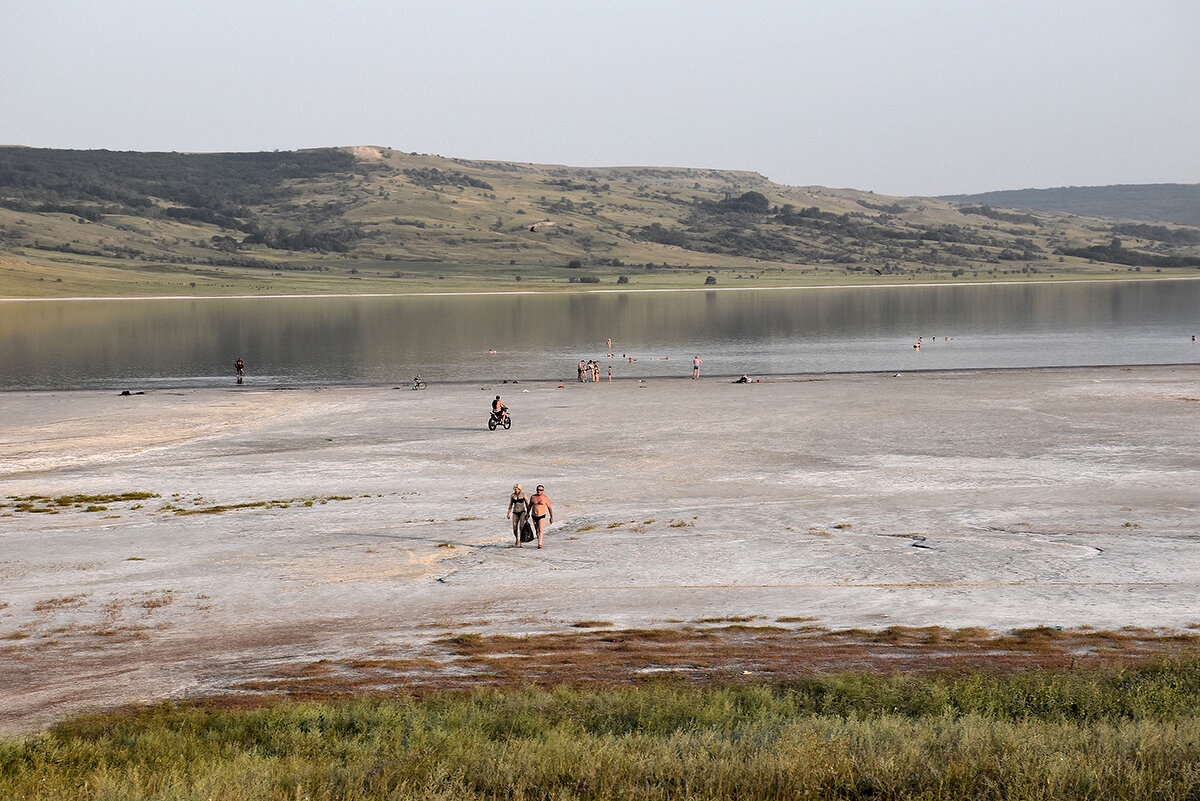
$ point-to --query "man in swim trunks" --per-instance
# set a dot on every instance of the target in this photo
(539, 509)
(240, 367)
(499, 409)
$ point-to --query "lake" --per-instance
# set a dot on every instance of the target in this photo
(161, 343)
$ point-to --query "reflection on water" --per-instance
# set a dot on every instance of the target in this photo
(65, 344)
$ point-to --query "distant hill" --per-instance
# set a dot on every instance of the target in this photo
(1175, 203)
(374, 219)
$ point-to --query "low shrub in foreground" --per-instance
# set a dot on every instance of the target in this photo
(1107, 733)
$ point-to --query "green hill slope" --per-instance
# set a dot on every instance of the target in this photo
(370, 219)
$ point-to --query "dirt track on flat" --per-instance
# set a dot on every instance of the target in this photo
(367, 524)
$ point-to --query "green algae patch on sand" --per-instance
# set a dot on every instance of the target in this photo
(221, 508)
(47, 504)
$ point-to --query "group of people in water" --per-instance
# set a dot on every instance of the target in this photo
(921, 340)
(590, 371)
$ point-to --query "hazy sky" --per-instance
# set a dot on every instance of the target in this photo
(908, 98)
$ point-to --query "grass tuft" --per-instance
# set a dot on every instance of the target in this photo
(61, 602)
(1072, 734)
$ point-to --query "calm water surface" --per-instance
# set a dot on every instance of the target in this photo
(184, 342)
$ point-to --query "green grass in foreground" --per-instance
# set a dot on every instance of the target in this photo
(1104, 733)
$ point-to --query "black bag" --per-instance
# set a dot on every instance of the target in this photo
(527, 532)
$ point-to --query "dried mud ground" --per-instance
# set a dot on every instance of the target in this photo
(246, 540)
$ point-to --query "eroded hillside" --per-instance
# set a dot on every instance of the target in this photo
(375, 219)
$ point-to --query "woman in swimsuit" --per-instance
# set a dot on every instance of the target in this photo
(518, 503)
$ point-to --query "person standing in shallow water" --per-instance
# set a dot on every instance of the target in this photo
(696, 362)
(239, 366)
(540, 509)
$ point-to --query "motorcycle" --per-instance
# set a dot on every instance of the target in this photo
(499, 419)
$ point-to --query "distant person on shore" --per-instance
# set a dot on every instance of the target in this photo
(539, 508)
(240, 367)
(581, 371)
(518, 510)
(596, 372)
(745, 379)
(696, 362)
(610, 373)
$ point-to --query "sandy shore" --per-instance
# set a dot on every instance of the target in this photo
(373, 518)
(1083, 279)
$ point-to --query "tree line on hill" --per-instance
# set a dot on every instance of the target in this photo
(731, 226)
(220, 189)
(133, 181)
(1115, 253)
(1176, 203)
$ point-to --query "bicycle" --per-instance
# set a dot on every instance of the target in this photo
(418, 383)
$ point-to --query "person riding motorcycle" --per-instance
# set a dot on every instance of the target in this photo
(499, 409)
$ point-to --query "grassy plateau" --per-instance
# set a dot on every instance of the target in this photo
(377, 220)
